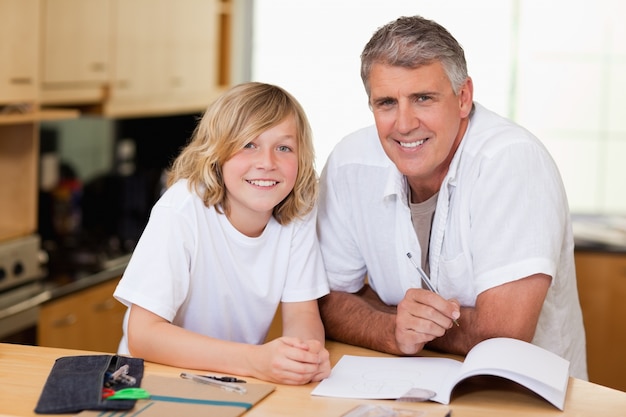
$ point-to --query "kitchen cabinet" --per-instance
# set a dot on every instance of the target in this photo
(19, 20)
(134, 58)
(75, 50)
(602, 291)
(166, 56)
(89, 319)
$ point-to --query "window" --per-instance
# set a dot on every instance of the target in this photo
(558, 68)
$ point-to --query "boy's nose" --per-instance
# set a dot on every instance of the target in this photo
(267, 159)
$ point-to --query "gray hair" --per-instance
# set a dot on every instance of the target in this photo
(412, 42)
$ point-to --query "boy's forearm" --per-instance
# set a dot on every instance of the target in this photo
(303, 320)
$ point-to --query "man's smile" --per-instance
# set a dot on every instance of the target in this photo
(412, 144)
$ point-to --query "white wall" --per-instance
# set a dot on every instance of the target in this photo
(556, 67)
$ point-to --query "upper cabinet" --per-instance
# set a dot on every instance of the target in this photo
(134, 57)
(75, 50)
(19, 21)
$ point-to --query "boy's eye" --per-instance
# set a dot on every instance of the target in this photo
(249, 145)
(284, 148)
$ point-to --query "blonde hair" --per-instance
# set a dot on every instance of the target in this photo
(236, 118)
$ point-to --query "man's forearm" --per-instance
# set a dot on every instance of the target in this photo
(508, 310)
(359, 319)
(458, 339)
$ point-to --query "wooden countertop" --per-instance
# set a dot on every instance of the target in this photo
(24, 369)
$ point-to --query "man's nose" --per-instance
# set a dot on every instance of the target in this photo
(406, 118)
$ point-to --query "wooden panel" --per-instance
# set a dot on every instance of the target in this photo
(90, 319)
(18, 179)
(75, 41)
(19, 31)
(602, 291)
(75, 50)
(167, 61)
(276, 328)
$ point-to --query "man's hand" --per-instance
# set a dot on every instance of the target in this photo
(423, 316)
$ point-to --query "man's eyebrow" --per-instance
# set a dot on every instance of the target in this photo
(382, 99)
(425, 93)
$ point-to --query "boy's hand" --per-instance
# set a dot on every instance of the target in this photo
(289, 360)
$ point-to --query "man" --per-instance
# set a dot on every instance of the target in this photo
(474, 198)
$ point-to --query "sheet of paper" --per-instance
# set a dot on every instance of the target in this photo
(386, 378)
(512, 358)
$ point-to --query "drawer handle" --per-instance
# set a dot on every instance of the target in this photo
(21, 80)
(66, 321)
(106, 305)
(97, 66)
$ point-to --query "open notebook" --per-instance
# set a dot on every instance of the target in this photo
(396, 377)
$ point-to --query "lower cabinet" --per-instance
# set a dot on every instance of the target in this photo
(602, 290)
(90, 319)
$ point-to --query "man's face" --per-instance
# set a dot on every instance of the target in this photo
(420, 121)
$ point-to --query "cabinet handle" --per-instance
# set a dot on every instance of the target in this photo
(97, 66)
(21, 80)
(106, 305)
(65, 321)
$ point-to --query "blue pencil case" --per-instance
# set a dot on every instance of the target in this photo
(78, 383)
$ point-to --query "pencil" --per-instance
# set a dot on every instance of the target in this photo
(425, 278)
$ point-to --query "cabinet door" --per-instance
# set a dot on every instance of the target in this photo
(194, 51)
(141, 33)
(90, 319)
(75, 41)
(19, 31)
(602, 290)
(165, 57)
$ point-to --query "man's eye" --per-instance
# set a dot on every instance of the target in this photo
(385, 103)
(423, 98)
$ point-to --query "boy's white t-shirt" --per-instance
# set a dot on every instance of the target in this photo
(194, 269)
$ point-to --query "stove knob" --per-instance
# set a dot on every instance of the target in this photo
(18, 268)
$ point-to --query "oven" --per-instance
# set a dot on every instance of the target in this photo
(21, 288)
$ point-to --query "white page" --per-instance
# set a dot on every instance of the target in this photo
(386, 378)
(519, 358)
(537, 369)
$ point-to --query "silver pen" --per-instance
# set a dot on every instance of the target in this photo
(425, 278)
(228, 386)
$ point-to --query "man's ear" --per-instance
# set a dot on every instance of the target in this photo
(466, 97)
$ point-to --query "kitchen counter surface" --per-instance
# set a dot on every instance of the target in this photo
(599, 233)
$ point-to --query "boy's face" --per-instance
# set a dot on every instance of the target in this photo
(260, 176)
